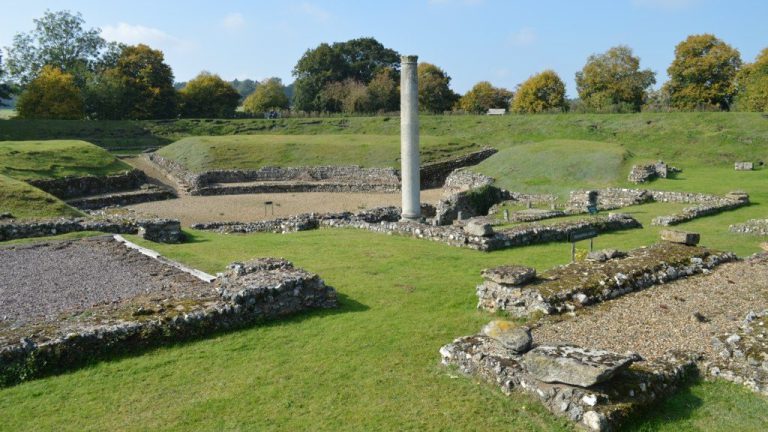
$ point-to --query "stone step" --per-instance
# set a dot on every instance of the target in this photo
(146, 194)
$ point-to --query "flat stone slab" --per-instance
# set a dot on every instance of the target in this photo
(573, 365)
(478, 228)
(510, 335)
(682, 237)
(510, 274)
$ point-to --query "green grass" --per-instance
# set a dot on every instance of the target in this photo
(256, 151)
(25, 160)
(555, 166)
(371, 365)
(6, 113)
(25, 201)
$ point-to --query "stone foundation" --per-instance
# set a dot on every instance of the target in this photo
(572, 286)
(73, 187)
(598, 407)
(246, 293)
(645, 173)
(438, 174)
(158, 230)
(757, 227)
(146, 193)
(744, 354)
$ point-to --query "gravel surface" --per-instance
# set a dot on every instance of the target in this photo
(248, 208)
(660, 319)
(44, 280)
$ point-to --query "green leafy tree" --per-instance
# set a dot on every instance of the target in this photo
(483, 96)
(703, 73)
(348, 96)
(244, 87)
(356, 59)
(58, 40)
(149, 83)
(542, 92)
(435, 95)
(383, 91)
(5, 89)
(269, 95)
(208, 96)
(613, 79)
(106, 96)
(52, 95)
(752, 84)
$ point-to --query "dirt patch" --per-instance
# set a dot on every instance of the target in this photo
(249, 208)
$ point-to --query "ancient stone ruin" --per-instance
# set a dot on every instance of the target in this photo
(69, 318)
(743, 166)
(645, 173)
(157, 230)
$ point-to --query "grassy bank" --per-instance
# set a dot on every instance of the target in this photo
(26, 160)
(25, 201)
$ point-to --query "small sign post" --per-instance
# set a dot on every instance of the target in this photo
(270, 205)
(583, 234)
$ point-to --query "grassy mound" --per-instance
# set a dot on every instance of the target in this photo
(26, 160)
(555, 166)
(256, 151)
(25, 201)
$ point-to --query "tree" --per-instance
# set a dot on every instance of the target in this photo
(58, 40)
(244, 87)
(348, 96)
(208, 95)
(383, 91)
(52, 95)
(5, 89)
(149, 83)
(484, 96)
(613, 79)
(356, 59)
(269, 95)
(106, 96)
(435, 95)
(752, 84)
(702, 74)
(541, 92)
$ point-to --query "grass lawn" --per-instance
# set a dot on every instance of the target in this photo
(256, 151)
(25, 201)
(7, 113)
(371, 365)
(25, 160)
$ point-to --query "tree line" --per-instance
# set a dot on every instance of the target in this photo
(61, 70)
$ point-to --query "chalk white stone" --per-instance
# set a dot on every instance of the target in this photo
(409, 138)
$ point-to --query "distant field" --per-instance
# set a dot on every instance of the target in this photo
(25, 160)
(256, 151)
(556, 166)
(25, 201)
(6, 113)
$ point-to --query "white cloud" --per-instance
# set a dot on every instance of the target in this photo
(135, 34)
(523, 37)
(233, 21)
(313, 11)
(669, 5)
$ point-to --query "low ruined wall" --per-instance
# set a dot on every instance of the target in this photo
(143, 195)
(73, 187)
(743, 355)
(436, 174)
(258, 188)
(249, 292)
(758, 227)
(564, 288)
(471, 203)
(157, 230)
(461, 180)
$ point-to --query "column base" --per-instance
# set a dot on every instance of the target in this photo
(411, 217)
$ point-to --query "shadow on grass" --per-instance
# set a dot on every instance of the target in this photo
(70, 362)
(678, 407)
(192, 237)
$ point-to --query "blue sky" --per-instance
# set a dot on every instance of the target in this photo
(500, 41)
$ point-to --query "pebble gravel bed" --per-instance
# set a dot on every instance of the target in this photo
(679, 316)
(42, 281)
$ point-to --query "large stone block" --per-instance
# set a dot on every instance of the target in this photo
(510, 274)
(478, 228)
(510, 335)
(574, 365)
(743, 166)
(683, 237)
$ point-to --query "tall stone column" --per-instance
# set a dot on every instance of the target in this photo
(409, 138)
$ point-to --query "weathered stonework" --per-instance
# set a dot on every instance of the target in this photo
(598, 407)
(743, 166)
(644, 173)
(246, 293)
(758, 227)
(578, 284)
(744, 354)
(461, 180)
(437, 174)
(74, 187)
(158, 230)
(145, 193)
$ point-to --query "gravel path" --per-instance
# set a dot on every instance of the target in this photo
(44, 280)
(248, 208)
(660, 319)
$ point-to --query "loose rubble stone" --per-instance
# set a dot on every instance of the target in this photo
(511, 335)
(757, 227)
(479, 229)
(574, 365)
(682, 237)
(510, 274)
(744, 354)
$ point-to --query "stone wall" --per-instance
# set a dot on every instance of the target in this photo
(249, 292)
(473, 202)
(73, 187)
(158, 230)
(758, 227)
(624, 384)
(436, 174)
(578, 284)
(146, 193)
(644, 173)
(744, 354)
